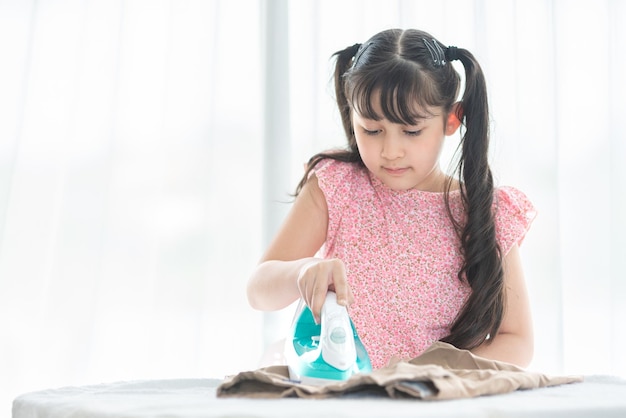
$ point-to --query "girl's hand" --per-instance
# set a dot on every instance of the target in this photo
(317, 278)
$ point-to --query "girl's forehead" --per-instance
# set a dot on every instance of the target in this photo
(373, 108)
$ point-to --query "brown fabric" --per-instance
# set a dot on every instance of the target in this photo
(441, 372)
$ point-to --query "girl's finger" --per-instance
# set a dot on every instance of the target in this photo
(340, 282)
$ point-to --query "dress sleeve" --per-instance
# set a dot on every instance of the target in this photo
(514, 215)
(328, 173)
(334, 179)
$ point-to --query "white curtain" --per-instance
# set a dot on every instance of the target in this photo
(129, 190)
(131, 172)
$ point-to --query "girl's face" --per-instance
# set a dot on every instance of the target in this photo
(404, 157)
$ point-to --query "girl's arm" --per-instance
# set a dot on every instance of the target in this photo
(289, 270)
(514, 342)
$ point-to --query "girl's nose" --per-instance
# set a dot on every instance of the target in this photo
(392, 148)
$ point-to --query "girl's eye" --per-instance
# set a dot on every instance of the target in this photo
(372, 133)
(413, 133)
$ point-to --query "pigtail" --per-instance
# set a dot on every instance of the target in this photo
(482, 314)
(344, 59)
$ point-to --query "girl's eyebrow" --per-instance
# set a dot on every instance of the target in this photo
(417, 121)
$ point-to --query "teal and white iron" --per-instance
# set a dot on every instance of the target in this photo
(329, 351)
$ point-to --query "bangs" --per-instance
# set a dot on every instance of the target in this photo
(401, 90)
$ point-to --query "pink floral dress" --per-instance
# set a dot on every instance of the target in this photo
(401, 255)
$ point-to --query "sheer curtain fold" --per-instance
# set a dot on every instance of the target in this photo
(125, 188)
(617, 210)
(131, 194)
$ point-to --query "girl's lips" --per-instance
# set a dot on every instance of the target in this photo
(395, 171)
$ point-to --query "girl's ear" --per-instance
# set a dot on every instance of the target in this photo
(453, 120)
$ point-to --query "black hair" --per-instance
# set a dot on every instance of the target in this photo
(407, 77)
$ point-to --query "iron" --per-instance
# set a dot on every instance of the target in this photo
(327, 352)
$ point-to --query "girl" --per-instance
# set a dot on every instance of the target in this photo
(417, 255)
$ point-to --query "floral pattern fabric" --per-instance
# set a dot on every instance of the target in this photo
(402, 258)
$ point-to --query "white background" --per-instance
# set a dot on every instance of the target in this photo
(131, 172)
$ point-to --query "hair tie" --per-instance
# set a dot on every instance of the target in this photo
(360, 51)
(452, 53)
(354, 49)
(436, 52)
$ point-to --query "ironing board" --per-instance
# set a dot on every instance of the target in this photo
(597, 396)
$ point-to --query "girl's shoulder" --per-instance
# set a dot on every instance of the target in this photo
(514, 213)
(333, 168)
(342, 184)
(512, 199)
(338, 176)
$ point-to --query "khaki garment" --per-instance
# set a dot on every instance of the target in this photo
(441, 372)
